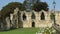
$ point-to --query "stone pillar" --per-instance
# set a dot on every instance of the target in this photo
(17, 23)
(7, 23)
(12, 20)
(15, 17)
(2, 26)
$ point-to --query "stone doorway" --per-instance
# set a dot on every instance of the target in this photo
(33, 24)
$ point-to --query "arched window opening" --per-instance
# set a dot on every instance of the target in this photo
(42, 16)
(24, 16)
(33, 16)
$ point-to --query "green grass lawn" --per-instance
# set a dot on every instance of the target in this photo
(29, 31)
(21, 31)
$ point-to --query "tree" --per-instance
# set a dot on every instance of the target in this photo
(10, 8)
(40, 6)
(52, 16)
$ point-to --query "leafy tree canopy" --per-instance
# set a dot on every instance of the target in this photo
(10, 8)
(40, 6)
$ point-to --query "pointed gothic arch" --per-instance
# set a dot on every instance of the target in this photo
(24, 16)
(42, 16)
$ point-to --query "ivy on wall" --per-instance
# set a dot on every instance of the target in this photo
(52, 16)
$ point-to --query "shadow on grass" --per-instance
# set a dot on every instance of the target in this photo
(21, 29)
(8, 30)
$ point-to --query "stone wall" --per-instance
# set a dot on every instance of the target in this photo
(38, 22)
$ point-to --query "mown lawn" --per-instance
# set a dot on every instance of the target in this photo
(21, 31)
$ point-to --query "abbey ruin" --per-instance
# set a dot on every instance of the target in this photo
(25, 19)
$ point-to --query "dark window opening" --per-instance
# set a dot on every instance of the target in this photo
(42, 16)
(33, 24)
(24, 17)
(33, 16)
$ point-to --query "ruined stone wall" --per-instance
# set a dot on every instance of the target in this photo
(57, 16)
(38, 22)
(28, 22)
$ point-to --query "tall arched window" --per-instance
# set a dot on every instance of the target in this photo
(42, 16)
(24, 16)
(33, 16)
